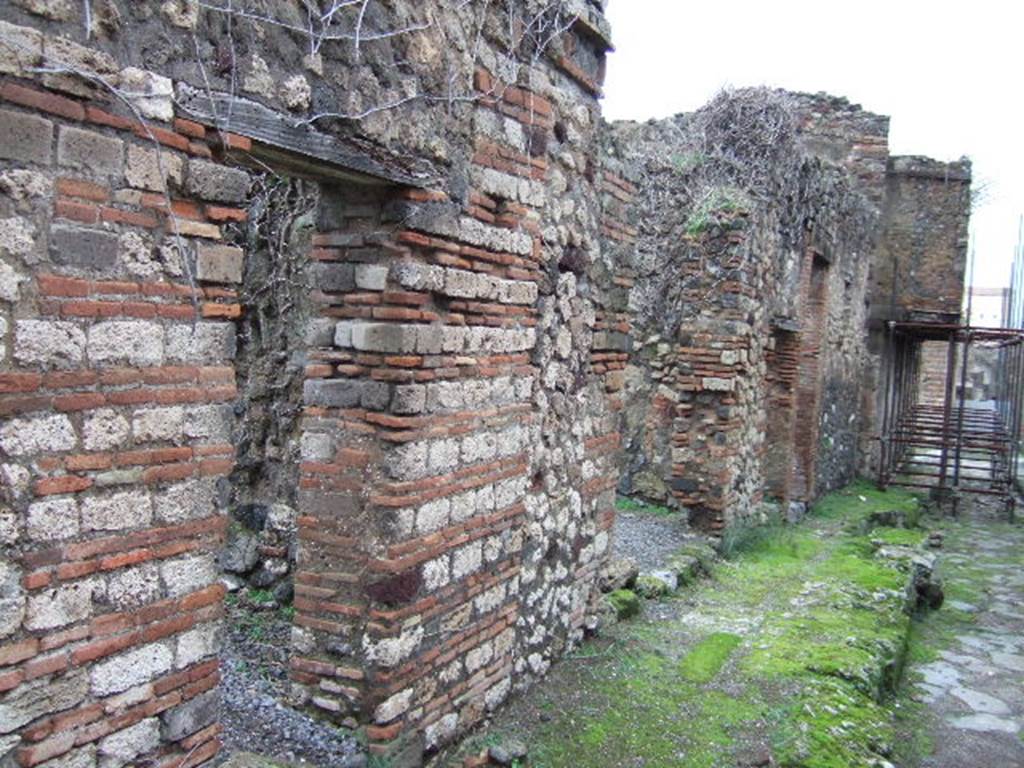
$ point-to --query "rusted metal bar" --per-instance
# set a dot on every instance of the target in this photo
(947, 406)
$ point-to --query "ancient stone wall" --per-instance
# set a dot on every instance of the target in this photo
(923, 254)
(244, 252)
(375, 292)
(918, 271)
(748, 299)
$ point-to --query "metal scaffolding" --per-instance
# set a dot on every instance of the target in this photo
(951, 444)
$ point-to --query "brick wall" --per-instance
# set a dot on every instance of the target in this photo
(456, 435)
(116, 397)
(746, 372)
(923, 251)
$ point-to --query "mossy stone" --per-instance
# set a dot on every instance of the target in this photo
(650, 587)
(625, 602)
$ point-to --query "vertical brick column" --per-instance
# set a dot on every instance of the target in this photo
(116, 389)
(415, 439)
(807, 421)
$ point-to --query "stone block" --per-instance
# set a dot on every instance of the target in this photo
(460, 283)
(104, 429)
(433, 516)
(17, 238)
(320, 332)
(64, 605)
(443, 455)
(516, 292)
(408, 462)
(429, 339)
(20, 48)
(83, 248)
(409, 399)
(214, 182)
(158, 424)
(53, 519)
(316, 446)
(35, 434)
(436, 573)
(332, 393)
(453, 338)
(116, 511)
(55, 10)
(195, 645)
(384, 337)
(131, 342)
(414, 276)
(12, 599)
(153, 169)
(195, 714)
(41, 697)
(140, 665)
(343, 334)
(27, 138)
(393, 707)
(219, 263)
(375, 395)
(371, 277)
(151, 94)
(209, 422)
(134, 587)
(10, 283)
(333, 277)
(90, 151)
(122, 747)
(467, 560)
(203, 343)
(185, 575)
(188, 500)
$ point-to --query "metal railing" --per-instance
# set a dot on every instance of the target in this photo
(955, 444)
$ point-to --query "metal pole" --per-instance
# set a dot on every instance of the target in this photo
(960, 414)
(947, 407)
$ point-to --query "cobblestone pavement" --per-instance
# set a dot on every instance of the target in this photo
(969, 656)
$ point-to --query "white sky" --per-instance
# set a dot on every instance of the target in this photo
(950, 74)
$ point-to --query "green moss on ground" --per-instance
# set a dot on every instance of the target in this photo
(795, 644)
(705, 660)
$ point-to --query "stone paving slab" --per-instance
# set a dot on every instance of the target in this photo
(974, 687)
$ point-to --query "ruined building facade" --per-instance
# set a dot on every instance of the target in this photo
(381, 284)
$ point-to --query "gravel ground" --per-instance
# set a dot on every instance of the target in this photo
(256, 716)
(649, 539)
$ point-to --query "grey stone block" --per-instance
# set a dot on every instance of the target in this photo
(375, 395)
(384, 337)
(428, 339)
(343, 334)
(219, 263)
(90, 151)
(193, 715)
(219, 183)
(26, 138)
(371, 277)
(84, 248)
(206, 342)
(332, 393)
(334, 277)
(409, 398)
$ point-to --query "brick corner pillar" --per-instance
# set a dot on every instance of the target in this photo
(414, 438)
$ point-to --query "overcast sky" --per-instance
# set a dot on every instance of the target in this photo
(950, 75)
